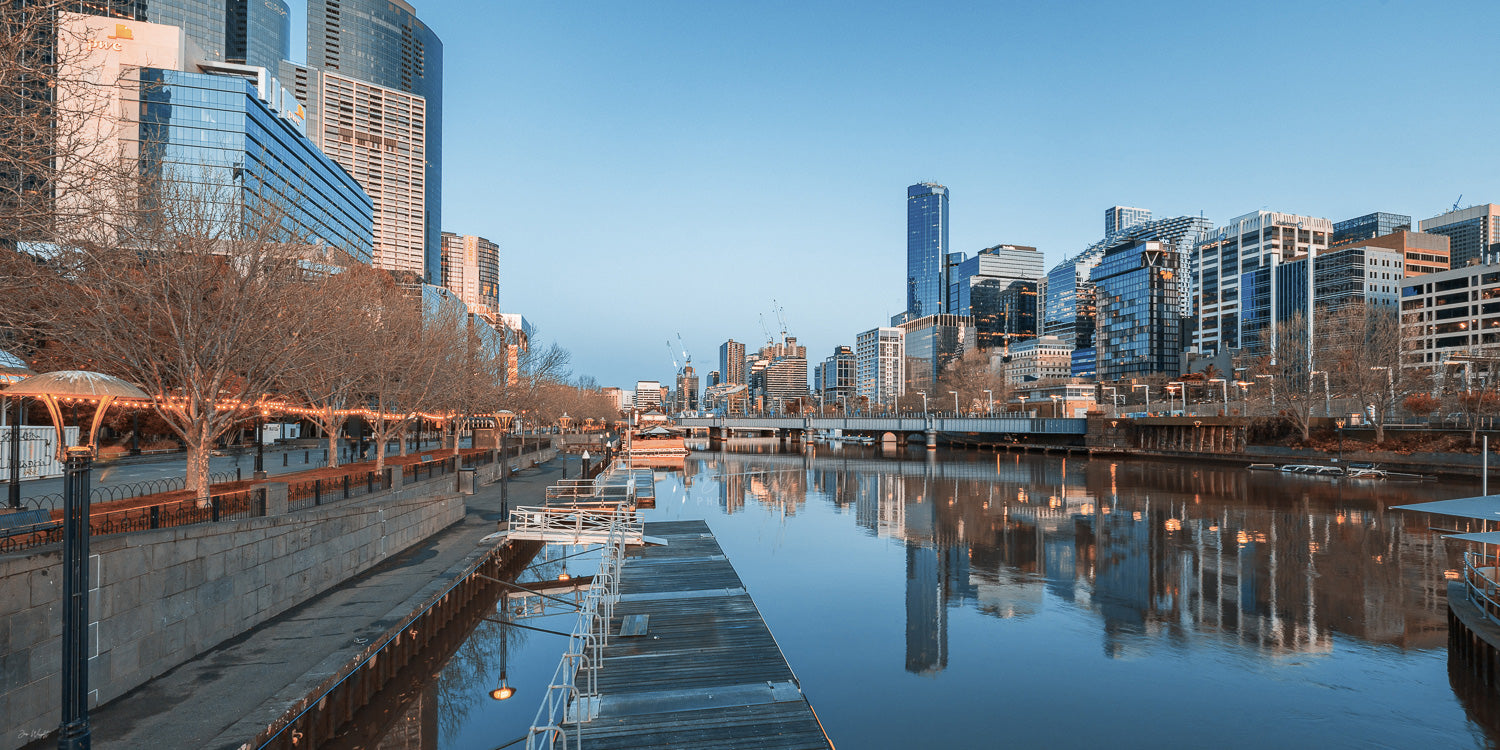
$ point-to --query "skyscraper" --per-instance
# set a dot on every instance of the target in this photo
(1121, 218)
(1139, 324)
(1255, 240)
(257, 32)
(926, 249)
(1369, 226)
(732, 362)
(471, 270)
(372, 52)
(880, 364)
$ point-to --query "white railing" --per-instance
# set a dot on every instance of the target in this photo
(1482, 576)
(579, 524)
(572, 693)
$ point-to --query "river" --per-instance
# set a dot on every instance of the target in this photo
(1023, 600)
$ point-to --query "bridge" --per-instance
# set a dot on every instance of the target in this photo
(929, 425)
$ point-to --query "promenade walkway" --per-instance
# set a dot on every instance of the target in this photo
(224, 697)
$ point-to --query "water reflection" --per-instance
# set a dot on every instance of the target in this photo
(1159, 551)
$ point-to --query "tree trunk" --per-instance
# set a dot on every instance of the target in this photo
(333, 449)
(1380, 428)
(380, 445)
(198, 444)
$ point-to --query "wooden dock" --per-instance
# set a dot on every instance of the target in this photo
(696, 666)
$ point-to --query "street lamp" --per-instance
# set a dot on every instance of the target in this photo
(924, 401)
(1023, 405)
(990, 400)
(13, 370)
(1054, 398)
(75, 386)
(1339, 423)
(955, 402)
(1225, 385)
(564, 421)
(1181, 389)
(1147, 386)
(503, 418)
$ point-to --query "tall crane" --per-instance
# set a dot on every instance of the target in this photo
(780, 317)
(1455, 203)
(687, 359)
(676, 369)
(766, 329)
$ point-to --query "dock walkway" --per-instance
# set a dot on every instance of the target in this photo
(704, 672)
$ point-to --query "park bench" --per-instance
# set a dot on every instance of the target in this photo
(26, 522)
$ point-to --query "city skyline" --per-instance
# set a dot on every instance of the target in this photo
(628, 144)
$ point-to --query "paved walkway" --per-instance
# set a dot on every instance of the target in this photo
(221, 698)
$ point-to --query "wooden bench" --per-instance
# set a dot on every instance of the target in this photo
(26, 522)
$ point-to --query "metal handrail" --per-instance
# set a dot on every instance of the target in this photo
(565, 700)
(1481, 572)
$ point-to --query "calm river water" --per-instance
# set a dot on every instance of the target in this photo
(986, 600)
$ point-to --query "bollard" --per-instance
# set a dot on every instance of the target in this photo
(283, 459)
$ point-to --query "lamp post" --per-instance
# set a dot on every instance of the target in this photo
(1023, 404)
(1181, 390)
(990, 402)
(1054, 398)
(13, 370)
(503, 418)
(1224, 383)
(260, 444)
(75, 385)
(924, 402)
(1339, 423)
(955, 402)
(1327, 397)
(1146, 386)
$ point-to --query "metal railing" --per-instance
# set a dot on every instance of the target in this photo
(1482, 577)
(593, 523)
(127, 490)
(429, 469)
(226, 506)
(314, 492)
(572, 693)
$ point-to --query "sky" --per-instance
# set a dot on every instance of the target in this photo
(650, 169)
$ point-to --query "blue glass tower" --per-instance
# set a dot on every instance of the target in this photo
(926, 249)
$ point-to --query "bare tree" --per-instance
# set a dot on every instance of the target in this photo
(1363, 348)
(1285, 366)
(970, 376)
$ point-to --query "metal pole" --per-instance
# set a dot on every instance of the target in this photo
(260, 447)
(73, 733)
(14, 489)
(504, 478)
(1485, 471)
(135, 432)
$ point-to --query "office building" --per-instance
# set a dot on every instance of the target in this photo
(927, 249)
(1041, 358)
(779, 371)
(373, 83)
(1256, 240)
(880, 365)
(1140, 323)
(1121, 218)
(835, 378)
(1442, 316)
(234, 134)
(1473, 233)
(1422, 252)
(732, 362)
(994, 266)
(1070, 307)
(647, 394)
(932, 343)
(1369, 226)
(471, 269)
(1341, 277)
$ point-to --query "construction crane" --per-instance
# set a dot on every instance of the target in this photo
(676, 369)
(1455, 203)
(780, 317)
(766, 329)
(687, 359)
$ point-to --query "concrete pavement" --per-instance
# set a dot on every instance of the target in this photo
(225, 696)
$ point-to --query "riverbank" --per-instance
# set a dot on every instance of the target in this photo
(229, 695)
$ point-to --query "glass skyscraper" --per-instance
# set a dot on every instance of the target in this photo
(384, 43)
(217, 131)
(1140, 323)
(257, 32)
(926, 249)
(1368, 227)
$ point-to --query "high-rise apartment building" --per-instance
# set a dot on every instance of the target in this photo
(995, 266)
(880, 365)
(1140, 323)
(1369, 226)
(732, 362)
(1255, 240)
(1121, 218)
(1439, 317)
(647, 394)
(686, 396)
(374, 83)
(1474, 234)
(1070, 307)
(927, 249)
(471, 270)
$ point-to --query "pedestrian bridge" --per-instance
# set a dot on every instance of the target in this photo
(898, 425)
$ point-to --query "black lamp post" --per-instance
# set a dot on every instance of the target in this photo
(503, 419)
(260, 445)
(14, 370)
(75, 386)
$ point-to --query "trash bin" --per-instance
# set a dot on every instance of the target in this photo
(468, 481)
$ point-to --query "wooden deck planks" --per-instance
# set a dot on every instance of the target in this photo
(705, 645)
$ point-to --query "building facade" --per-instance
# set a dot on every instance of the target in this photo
(1341, 277)
(1256, 240)
(880, 365)
(1140, 323)
(1422, 252)
(1041, 358)
(927, 249)
(1120, 218)
(373, 50)
(1473, 233)
(835, 378)
(686, 393)
(647, 394)
(932, 343)
(1369, 226)
(471, 269)
(732, 362)
(1451, 313)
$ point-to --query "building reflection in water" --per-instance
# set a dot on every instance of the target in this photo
(1161, 552)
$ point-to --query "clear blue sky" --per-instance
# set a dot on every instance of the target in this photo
(650, 168)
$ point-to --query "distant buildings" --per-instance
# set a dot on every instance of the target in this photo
(880, 365)
(1255, 240)
(1369, 226)
(1440, 319)
(780, 372)
(1121, 218)
(686, 392)
(927, 249)
(1042, 358)
(732, 362)
(1473, 232)
(471, 269)
(835, 377)
(998, 289)
(1139, 324)
(1422, 252)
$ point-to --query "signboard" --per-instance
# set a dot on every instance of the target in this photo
(38, 451)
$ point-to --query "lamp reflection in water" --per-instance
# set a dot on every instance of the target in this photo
(504, 691)
(74, 387)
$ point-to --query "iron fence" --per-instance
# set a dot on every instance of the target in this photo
(127, 490)
(314, 492)
(226, 506)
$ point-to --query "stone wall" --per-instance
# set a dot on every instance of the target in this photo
(160, 598)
